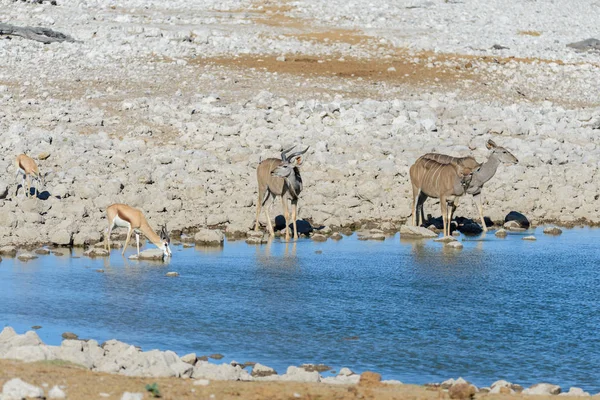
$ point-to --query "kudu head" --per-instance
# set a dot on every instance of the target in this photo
(288, 170)
(166, 240)
(289, 162)
(501, 153)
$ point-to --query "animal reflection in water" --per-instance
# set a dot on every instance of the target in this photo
(270, 255)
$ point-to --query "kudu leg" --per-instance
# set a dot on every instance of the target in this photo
(286, 216)
(444, 207)
(416, 193)
(478, 200)
(269, 225)
(294, 217)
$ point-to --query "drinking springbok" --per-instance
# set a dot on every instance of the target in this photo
(446, 182)
(481, 173)
(280, 177)
(124, 216)
(28, 168)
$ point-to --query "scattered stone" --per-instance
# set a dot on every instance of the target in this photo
(56, 393)
(9, 251)
(462, 391)
(552, 230)
(69, 336)
(337, 236)
(201, 382)
(132, 396)
(216, 356)
(26, 256)
(100, 271)
(254, 237)
(369, 378)
(416, 232)
(172, 274)
(96, 252)
(43, 156)
(36, 327)
(149, 254)
(501, 233)
(317, 237)
(189, 358)
(16, 389)
(259, 371)
(392, 382)
(297, 374)
(542, 388)
(454, 245)
(208, 237)
(42, 251)
(575, 391)
(373, 234)
(445, 239)
(531, 237)
(513, 226)
(346, 372)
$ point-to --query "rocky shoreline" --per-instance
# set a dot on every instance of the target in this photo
(170, 109)
(116, 357)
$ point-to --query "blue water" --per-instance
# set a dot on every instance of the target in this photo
(506, 308)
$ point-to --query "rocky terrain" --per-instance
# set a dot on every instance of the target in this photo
(169, 106)
(115, 357)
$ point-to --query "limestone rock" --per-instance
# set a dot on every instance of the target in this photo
(190, 358)
(501, 233)
(260, 370)
(416, 232)
(575, 391)
(552, 230)
(16, 389)
(454, 245)
(300, 375)
(531, 237)
(132, 396)
(542, 388)
(56, 393)
(337, 236)
(317, 237)
(96, 252)
(172, 274)
(9, 251)
(26, 256)
(149, 254)
(209, 237)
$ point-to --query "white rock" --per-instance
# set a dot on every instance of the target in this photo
(209, 237)
(543, 389)
(259, 370)
(531, 237)
(454, 245)
(575, 391)
(16, 389)
(296, 374)
(408, 231)
(132, 396)
(56, 393)
(201, 382)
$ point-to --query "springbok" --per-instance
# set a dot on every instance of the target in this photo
(28, 168)
(124, 216)
(446, 182)
(481, 172)
(280, 177)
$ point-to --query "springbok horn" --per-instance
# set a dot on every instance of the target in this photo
(297, 153)
(285, 151)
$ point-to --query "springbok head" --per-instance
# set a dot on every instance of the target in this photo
(289, 162)
(503, 155)
(164, 236)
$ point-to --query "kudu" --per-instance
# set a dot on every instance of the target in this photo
(446, 182)
(481, 172)
(280, 177)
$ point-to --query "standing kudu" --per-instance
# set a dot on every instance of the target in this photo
(280, 177)
(446, 182)
(481, 174)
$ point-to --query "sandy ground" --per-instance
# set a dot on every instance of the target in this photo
(83, 384)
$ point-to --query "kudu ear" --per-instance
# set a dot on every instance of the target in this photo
(298, 158)
(490, 144)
